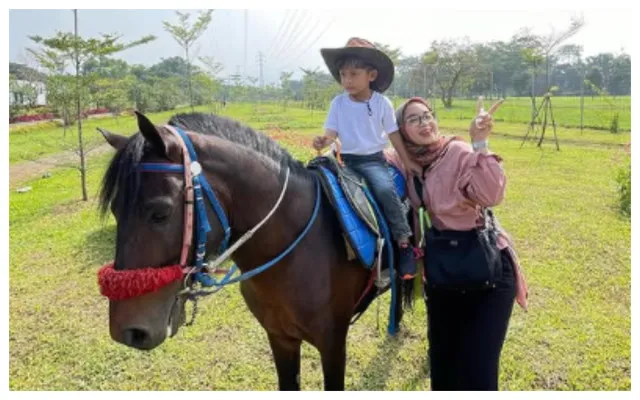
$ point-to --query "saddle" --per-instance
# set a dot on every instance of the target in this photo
(365, 231)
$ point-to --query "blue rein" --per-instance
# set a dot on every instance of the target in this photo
(202, 221)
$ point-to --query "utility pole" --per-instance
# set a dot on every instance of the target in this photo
(261, 65)
(246, 24)
(424, 80)
(491, 87)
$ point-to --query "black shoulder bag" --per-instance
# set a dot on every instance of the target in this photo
(461, 260)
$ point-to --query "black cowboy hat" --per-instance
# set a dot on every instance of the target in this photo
(366, 51)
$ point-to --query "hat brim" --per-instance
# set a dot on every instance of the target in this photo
(380, 61)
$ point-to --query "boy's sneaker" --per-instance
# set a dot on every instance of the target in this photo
(407, 267)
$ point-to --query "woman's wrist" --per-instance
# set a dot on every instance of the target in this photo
(481, 145)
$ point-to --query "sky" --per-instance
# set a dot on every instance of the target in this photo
(289, 39)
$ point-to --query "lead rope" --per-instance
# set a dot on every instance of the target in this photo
(194, 312)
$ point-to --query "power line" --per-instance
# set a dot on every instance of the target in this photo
(275, 39)
(311, 45)
(295, 47)
(246, 24)
(295, 34)
(291, 36)
(302, 47)
(285, 32)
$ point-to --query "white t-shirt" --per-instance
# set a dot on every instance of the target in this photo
(359, 132)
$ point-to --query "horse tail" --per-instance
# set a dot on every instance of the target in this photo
(407, 291)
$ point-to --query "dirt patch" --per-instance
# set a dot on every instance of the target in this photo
(27, 170)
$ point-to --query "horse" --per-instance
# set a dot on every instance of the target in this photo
(309, 294)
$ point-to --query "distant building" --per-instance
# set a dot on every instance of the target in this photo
(26, 80)
(18, 97)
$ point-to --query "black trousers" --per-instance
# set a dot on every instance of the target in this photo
(466, 332)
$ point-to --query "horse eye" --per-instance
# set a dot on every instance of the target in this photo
(159, 214)
(159, 217)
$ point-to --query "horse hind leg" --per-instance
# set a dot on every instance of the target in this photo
(286, 354)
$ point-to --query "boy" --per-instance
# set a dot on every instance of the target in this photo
(363, 118)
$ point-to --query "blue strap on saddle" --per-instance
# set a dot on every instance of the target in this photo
(386, 233)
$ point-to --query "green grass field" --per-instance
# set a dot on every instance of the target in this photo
(560, 207)
(566, 110)
(513, 117)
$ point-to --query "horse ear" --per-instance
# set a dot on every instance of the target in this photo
(150, 133)
(116, 141)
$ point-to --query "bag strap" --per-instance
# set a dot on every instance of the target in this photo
(418, 186)
(423, 215)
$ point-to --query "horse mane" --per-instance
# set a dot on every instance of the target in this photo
(121, 179)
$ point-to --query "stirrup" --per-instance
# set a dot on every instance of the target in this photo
(382, 281)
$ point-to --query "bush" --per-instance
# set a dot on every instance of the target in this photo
(614, 127)
(19, 129)
(31, 118)
(624, 189)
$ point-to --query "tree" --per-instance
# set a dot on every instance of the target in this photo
(620, 81)
(285, 85)
(66, 47)
(205, 88)
(186, 35)
(595, 78)
(534, 58)
(212, 66)
(105, 67)
(213, 69)
(318, 87)
(395, 54)
(538, 49)
(455, 62)
(604, 62)
(111, 93)
(570, 53)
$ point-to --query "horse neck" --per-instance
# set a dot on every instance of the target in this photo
(252, 185)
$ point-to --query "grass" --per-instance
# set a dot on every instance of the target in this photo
(561, 208)
(27, 143)
(597, 112)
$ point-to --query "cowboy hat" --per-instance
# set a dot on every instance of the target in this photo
(366, 51)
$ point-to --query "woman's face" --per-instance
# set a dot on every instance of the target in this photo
(420, 124)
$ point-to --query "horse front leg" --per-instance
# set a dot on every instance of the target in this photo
(286, 354)
(334, 357)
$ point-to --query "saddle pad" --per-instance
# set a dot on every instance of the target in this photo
(361, 238)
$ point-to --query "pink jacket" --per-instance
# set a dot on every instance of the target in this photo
(456, 187)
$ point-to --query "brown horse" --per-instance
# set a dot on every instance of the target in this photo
(309, 295)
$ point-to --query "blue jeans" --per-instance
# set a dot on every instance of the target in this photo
(374, 169)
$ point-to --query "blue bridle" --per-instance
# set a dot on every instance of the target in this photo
(203, 227)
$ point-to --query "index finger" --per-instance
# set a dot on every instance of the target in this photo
(496, 106)
(480, 107)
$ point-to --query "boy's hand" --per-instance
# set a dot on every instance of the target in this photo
(320, 142)
(413, 167)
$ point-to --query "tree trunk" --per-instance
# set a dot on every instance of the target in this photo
(189, 77)
(451, 88)
(548, 78)
(83, 169)
(533, 92)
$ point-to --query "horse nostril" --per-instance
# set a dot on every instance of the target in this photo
(137, 338)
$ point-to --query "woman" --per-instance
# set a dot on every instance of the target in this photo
(468, 315)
